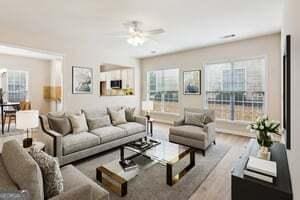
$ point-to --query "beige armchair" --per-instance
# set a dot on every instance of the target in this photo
(198, 136)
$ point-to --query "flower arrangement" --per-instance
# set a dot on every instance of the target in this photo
(265, 128)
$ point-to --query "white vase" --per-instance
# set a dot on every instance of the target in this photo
(264, 153)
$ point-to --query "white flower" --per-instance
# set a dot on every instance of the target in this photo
(269, 134)
(258, 119)
(267, 123)
(261, 127)
(255, 126)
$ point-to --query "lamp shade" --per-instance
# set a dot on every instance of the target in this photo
(147, 105)
(27, 119)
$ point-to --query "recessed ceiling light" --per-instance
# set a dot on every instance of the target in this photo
(229, 36)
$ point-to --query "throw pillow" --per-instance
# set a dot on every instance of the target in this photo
(53, 179)
(98, 122)
(118, 117)
(196, 119)
(61, 125)
(129, 114)
(78, 123)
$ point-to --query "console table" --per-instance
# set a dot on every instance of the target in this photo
(247, 188)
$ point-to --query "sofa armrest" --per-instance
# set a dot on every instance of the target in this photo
(52, 139)
(210, 129)
(86, 192)
(179, 122)
(141, 120)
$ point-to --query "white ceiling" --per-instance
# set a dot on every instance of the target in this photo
(188, 23)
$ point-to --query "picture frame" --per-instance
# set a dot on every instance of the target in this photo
(82, 80)
(192, 82)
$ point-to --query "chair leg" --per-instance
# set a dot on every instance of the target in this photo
(9, 120)
(214, 142)
(203, 152)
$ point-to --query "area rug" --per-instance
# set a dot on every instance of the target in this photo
(151, 181)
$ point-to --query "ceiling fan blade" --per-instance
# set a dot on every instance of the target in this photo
(155, 31)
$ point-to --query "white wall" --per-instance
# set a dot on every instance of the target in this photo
(84, 52)
(38, 72)
(268, 46)
(291, 26)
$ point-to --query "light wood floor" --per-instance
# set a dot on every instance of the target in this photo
(217, 185)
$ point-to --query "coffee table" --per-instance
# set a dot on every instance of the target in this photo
(113, 176)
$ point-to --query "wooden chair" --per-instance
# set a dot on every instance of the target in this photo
(11, 113)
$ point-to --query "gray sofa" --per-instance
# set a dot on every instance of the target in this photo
(72, 147)
(19, 172)
(200, 136)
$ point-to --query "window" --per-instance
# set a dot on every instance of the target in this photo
(163, 90)
(236, 90)
(17, 86)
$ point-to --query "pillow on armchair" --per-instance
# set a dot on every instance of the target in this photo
(196, 119)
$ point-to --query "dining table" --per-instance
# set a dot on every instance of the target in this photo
(7, 105)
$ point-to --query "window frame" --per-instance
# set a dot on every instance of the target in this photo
(179, 95)
(231, 61)
(27, 82)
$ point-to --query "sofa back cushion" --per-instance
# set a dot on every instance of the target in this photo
(22, 169)
(196, 119)
(94, 113)
(60, 124)
(99, 122)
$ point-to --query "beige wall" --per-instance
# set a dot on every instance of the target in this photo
(38, 75)
(84, 52)
(291, 26)
(267, 46)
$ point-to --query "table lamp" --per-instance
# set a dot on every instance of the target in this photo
(26, 120)
(147, 106)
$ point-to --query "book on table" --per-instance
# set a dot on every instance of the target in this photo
(264, 170)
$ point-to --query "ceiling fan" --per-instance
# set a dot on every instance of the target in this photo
(136, 36)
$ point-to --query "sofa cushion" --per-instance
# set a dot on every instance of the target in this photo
(6, 183)
(109, 133)
(117, 117)
(189, 131)
(94, 113)
(129, 113)
(79, 123)
(78, 142)
(74, 178)
(60, 124)
(22, 169)
(53, 180)
(94, 123)
(132, 127)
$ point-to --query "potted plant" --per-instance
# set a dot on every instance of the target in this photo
(265, 131)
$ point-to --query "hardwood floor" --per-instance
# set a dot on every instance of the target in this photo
(217, 185)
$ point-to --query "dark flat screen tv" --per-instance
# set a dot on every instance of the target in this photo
(287, 91)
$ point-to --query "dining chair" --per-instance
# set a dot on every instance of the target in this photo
(11, 113)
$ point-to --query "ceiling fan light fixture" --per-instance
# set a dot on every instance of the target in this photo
(136, 40)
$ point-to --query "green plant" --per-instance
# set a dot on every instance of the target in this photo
(264, 129)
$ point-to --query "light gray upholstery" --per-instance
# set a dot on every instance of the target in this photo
(74, 178)
(189, 131)
(132, 127)
(79, 141)
(22, 169)
(109, 133)
(72, 147)
(6, 183)
(77, 186)
(191, 135)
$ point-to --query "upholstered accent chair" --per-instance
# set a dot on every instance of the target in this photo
(195, 133)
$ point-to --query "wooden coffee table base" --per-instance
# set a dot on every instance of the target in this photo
(114, 182)
(171, 180)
